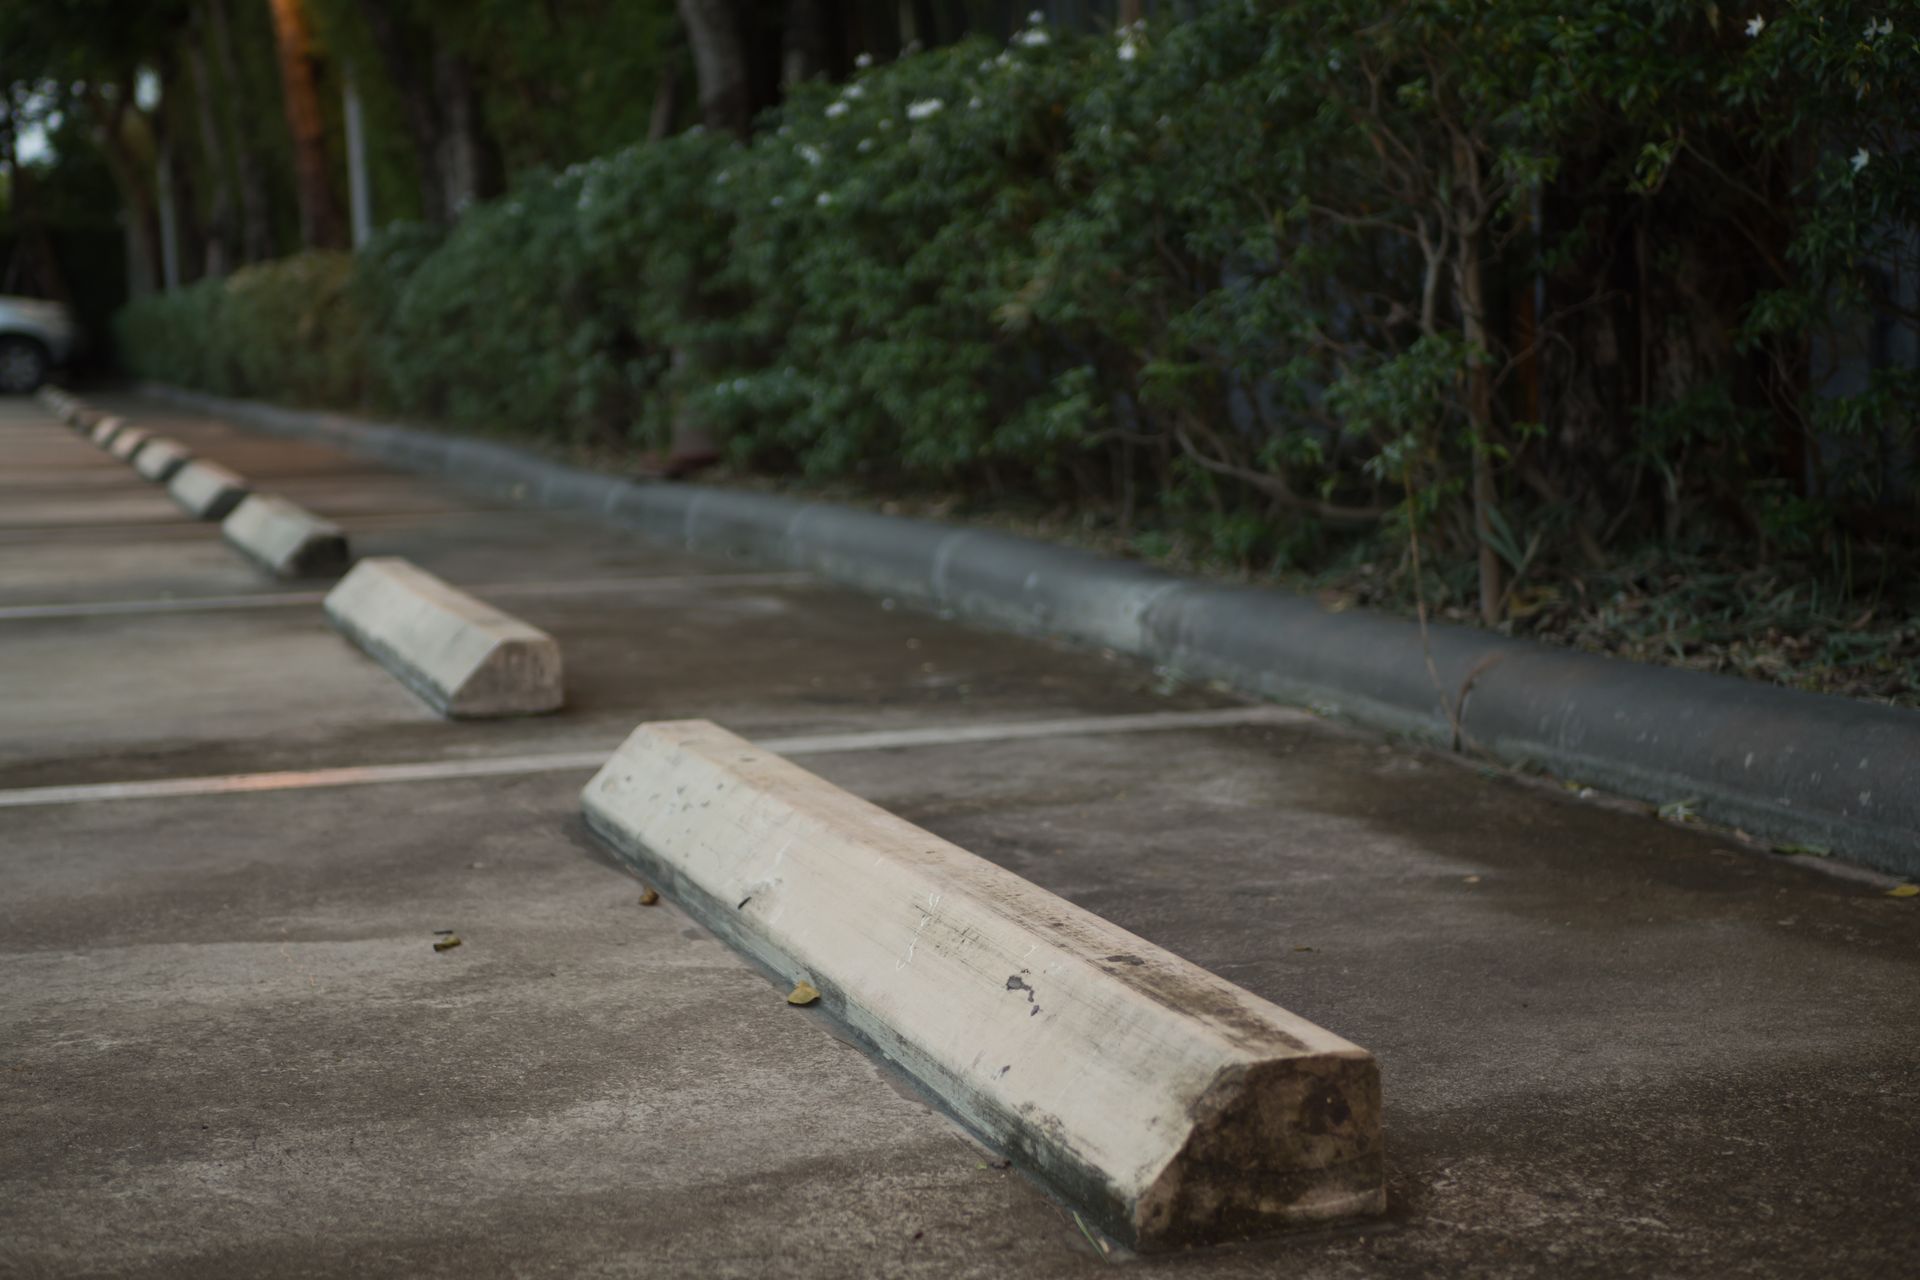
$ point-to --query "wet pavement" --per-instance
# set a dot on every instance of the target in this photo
(1611, 1046)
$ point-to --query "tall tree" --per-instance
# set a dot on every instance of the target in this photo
(256, 209)
(221, 232)
(455, 158)
(125, 137)
(721, 64)
(321, 223)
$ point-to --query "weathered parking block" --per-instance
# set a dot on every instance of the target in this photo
(286, 540)
(463, 657)
(159, 458)
(1173, 1105)
(127, 441)
(105, 429)
(207, 489)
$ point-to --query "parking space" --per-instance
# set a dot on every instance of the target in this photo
(229, 1047)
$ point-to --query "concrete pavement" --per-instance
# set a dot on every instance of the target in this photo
(227, 1046)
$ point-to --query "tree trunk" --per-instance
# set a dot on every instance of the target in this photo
(220, 230)
(810, 43)
(321, 226)
(469, 166)
(169, 223)
(359, 187)
(132, 174)
(454, 156)
(1471, 288)
(720, 64)
(256, 208)
(666, 104)
(34, 267)
(417, 104)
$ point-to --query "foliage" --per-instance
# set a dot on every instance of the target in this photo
(1286, 281)
(289, 329)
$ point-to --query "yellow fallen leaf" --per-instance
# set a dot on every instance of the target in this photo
(1904, 891)
(447, 943)
(802, 993)
(648, 897)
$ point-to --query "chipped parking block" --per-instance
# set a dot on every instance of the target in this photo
(1176, 1107)
(105, 429)
(462, 656)
(284, 539)
(207, 489)
(159, 458)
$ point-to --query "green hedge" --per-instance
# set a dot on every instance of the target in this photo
(291, 330)
(1537, 280)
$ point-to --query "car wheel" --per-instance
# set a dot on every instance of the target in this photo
(23, 366)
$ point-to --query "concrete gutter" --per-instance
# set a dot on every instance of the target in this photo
(1788, 766)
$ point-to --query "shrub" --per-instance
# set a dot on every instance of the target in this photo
(289, 329)
(1531, 280)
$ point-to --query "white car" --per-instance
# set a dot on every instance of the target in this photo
(35, 336)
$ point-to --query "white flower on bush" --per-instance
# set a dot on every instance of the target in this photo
(925, 107)
(1038, 18)
(1860, 159)
(1129, 50)
(722, 178)
(975, 103)
(1755, 25)
(854, 91)
(808, 152)
(1032, 38)
(776, 202)
(1882, 27)
(835, 110)
(864, 61)
(824, 199)
(865, 145)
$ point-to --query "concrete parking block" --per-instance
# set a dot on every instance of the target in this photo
(1173, 1106)
(127, 441)
(105, 429)
(158, 458)
(207, 489)
(285, 540)
(462, 656)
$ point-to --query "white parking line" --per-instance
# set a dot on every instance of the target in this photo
(587, 761)
(284, 599)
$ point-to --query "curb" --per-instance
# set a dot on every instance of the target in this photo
(1172, 1105)
(1778, 763)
